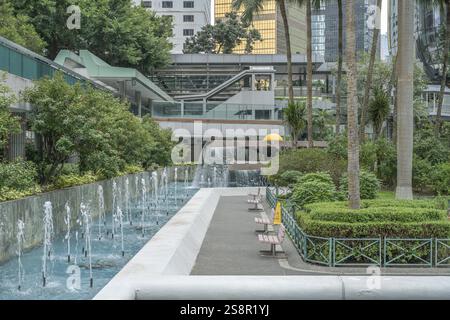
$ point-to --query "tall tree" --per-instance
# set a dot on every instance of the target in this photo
(405, 92)
(223, 37)
(309, 70)
(17, 28)
(115, 30)
(445, 35)
(340, 60)
(352, 109)
(368, 84)
(9, 124)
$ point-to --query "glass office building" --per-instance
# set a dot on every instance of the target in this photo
(270, 24)
(428, 23)
(364, 35)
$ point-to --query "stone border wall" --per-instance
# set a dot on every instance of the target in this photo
(31, 209)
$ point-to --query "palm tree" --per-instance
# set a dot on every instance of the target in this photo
(445, 16)
(405, 92)
(340, 60)
(309, 70)
(322, 118)
(368, 84)
(295, 118)
(379, 108)
(352, 109)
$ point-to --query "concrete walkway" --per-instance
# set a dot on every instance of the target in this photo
(231, 247)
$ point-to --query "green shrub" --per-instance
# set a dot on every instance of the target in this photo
(387, 214)
(312, 160)
(316, 177)
(286, 178)
(377, 218)
(70, 180)
(379, 203)
(18, 175)
(427, 229)
(421, 173)
(313, 191)
(430, 148)
(440, 179)
(337, 147)
(369, 185)
(11, 194)
(132, 169)
(442, 202)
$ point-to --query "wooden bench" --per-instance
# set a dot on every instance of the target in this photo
(273, 240)
(255, 195)
(265, 221)
(256, 200)
(258, 206)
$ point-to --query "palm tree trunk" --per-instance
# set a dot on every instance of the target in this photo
(405, 121)
(309, 73)
(445, 9)
(339, 74)
(368, 86)
(352, 110)
(283, 12)
(393, 84)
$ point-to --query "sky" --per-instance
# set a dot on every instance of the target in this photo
(384, 16)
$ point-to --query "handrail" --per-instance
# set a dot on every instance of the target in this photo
(225, 84)
(382, 251)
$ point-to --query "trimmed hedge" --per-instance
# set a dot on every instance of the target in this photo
(377, 218)
(429, 229)
(386, 214)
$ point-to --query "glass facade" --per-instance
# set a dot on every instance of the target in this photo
(428, 31)
(265, 23)
(318, 30)
(14, 62)
(215, 111)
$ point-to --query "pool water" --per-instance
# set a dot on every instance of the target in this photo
(71, 280)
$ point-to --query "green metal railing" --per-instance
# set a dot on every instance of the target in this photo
(387, 252)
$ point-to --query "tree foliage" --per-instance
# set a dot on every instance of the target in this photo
(115, 30)
(295, 118)
(17, 28)
(93, 125)
(223, 37)
(9, 124)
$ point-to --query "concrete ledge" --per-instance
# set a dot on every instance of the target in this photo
(293, 288)
(173, 249)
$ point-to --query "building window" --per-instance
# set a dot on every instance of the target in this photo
(188, 18)
(188, 4)
(188, 32)
(147, 4)
(167, 4)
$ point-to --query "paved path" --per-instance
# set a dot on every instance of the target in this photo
(231, 247)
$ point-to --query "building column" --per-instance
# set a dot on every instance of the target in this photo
(122, 90)
(204, 106)
(138, 98)
(182, 108)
